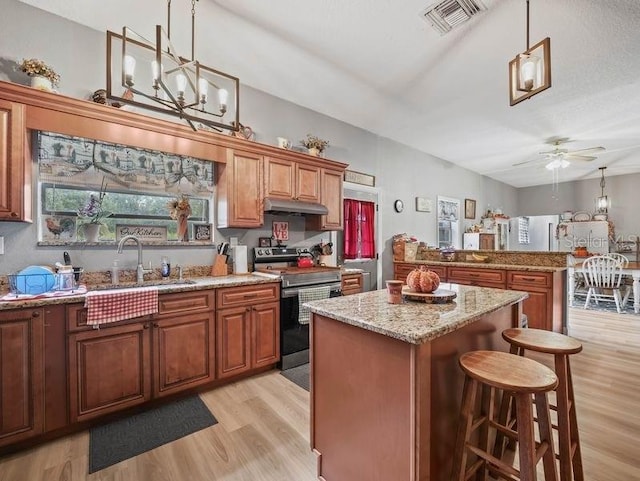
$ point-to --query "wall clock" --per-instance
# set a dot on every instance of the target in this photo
(398, 205)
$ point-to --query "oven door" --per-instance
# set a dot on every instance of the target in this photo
(294, 337)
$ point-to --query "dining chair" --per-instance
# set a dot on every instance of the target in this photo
(602, 276)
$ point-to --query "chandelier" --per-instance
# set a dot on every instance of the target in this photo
(530, 71)
(155, 77)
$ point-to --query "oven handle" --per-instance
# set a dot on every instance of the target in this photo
(293, 292)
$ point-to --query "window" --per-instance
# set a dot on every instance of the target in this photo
(359, 229)
(138, 183)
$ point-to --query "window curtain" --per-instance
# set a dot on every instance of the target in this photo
(359, 229)
(367, 231)
(351, 211)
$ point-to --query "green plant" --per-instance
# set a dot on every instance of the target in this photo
(313, 142)
(33, 67)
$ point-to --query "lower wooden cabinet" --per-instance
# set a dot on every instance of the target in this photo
(21, 374)
(119, 366)
(351, 284)
(248, 333)
(109, 369)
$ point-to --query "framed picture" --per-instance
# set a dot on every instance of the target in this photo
(469, 209)
(264, 241)
(281, 231)
(202, 232)
(58, 228)
(423, 204)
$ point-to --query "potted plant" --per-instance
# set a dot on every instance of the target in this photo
(314, 144)
(92, 213)
(42, 76)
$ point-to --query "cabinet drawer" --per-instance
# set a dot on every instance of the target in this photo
(352, 282)
(480, 277)
(240, 296)
(77, 319)
(525, 278)
(186, 302)
(402, 270)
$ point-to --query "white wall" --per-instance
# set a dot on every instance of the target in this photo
(77, 54)
(622, 190)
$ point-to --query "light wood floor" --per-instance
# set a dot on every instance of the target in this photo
(263, 428)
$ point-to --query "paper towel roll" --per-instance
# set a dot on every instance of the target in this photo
(240, 260)
(327, 261)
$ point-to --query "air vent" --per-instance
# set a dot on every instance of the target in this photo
(445, 16)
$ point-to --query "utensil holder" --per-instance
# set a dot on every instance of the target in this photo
(219, 266)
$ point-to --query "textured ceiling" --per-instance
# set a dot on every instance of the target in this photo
(376, 64)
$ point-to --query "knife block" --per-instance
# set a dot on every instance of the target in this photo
(219, 266)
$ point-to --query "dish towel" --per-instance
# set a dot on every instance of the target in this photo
(112, 306)
(310, 294)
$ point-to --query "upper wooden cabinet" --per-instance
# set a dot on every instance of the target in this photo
(285, 179)
(331, 197)
(15, 167)
(239, 202)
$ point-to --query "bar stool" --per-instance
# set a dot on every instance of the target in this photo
(561, 347)
(488, 371)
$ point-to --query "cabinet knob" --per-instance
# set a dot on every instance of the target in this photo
(13, 214)
(155, 324)
(145, 325)
(35, 314)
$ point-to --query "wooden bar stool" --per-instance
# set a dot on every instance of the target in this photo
(488, 371)
(561, 347)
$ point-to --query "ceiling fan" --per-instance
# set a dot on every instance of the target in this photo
(560, 158)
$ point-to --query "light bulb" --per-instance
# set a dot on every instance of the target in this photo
(181, 83)
(129, 67)
(528, 71)
(156, 72)
(203, 87)
(223, 95)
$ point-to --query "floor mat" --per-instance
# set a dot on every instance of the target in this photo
(125, 438)
(299, 375)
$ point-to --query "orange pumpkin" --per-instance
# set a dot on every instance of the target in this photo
(423, 280)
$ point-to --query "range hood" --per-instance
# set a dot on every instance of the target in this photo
(293, 207)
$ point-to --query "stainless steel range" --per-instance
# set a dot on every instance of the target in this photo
(283, 262)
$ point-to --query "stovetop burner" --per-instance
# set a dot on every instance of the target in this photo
(283, 262)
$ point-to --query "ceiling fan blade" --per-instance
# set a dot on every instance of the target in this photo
(554, 151)
(527, 162)
(590, 150)
(584, 158)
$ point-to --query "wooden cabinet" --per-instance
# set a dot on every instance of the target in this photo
(331, 198)
(285, 179)
(545, 305)
(477, 277)
(109, 369)
(401, 270)
(239, 190)
(351, 284)
(247, 328)
(183, 342)
(15, 164)
(21, 374)
(128, 363)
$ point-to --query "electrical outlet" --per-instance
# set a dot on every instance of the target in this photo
(1, 245)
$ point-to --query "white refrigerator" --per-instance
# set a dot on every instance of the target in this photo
(594, 235)
(533, 233)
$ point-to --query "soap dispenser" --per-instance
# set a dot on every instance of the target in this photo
(115, 274)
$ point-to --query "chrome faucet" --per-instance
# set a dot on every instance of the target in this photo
(140, 270)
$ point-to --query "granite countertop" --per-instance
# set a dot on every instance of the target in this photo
(486, 265)
(416, 322)
(193, 284)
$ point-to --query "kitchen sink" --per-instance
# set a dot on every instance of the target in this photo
(129, 285)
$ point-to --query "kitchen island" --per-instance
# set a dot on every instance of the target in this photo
(385, 381)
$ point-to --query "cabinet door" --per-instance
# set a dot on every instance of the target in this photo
(109, 370)
(331, 197)
(15, 169)
(536, 307)
(233, 338)
(279, 178)
(487, 242)
(265, 334)
(183, 352)
(239, 197)
(21, 374)
(307, 188)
